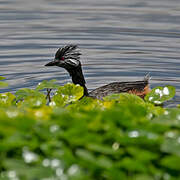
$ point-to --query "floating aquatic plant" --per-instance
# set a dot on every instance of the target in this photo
(73, 138)
(158, 95)
(2, 83)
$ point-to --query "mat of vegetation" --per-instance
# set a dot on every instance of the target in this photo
(122, 137)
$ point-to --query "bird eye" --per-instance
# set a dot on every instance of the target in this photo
(62, 58)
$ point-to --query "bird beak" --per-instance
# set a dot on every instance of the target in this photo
(52, 63)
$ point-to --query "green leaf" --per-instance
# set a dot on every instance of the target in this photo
(115, 173)
(158, 95)
(132, 165)
(6, 99)
(24, 93)
(142, 154)
(141, 138)
(86, 104)
(171, 162)
(124, 98)
(1, 78)
(71, 92)
(169, 118)
(25, 171)
(3, 84)
(30, 98)
(67, 94)
(143, 177)
(85, 155)
(104, 162)
(103, 149)
(59, 100)
(47, 85)
(33, 102)
(78, 138)
(171, 143)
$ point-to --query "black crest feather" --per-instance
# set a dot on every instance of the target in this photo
(68, 52)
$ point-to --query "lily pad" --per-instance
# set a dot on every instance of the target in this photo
(59, 100)
(71, 91)
(159, 94)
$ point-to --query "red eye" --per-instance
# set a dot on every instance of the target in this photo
(62, 58)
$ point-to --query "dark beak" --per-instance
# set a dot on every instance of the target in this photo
(52, 63)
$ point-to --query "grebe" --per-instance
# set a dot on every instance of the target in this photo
(68, 57)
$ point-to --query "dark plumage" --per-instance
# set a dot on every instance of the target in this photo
(68, 57)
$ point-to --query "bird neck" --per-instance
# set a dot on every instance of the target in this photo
(78, 78)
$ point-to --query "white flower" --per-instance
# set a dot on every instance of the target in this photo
(166, 91)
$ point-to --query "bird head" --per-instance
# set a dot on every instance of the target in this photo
(67, 57)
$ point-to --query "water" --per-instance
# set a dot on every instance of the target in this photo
(121, 40)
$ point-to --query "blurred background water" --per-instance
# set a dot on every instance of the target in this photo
(120, 40)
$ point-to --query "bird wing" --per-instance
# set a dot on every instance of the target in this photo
(134, 87)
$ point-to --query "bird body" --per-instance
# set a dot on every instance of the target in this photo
(140, 88)
(68, 57)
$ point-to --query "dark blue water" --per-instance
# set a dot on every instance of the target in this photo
(121, 40)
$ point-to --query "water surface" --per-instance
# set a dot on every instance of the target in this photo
(120, 40)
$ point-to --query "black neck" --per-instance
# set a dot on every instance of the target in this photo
(78, 78)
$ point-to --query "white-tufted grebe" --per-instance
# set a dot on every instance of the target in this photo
(68, 57)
